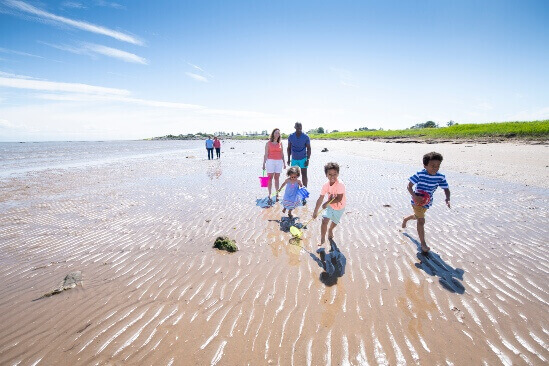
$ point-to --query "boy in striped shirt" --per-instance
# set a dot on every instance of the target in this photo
(426, 182)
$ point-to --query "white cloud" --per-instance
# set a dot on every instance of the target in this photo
(116, 53)
(5, 50)
(91, 98)
(62, 109)
(92, 49)
(110, 4)
(75, 92)
(72, 5)
(63, 47)
(197, 77)
(27, 8)
(33, 84)
(199, 73)
(117, 98)
(195, 67)
(8, 75)
(59, 120)
(202, 71)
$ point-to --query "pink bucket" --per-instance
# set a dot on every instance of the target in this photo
(264, 181)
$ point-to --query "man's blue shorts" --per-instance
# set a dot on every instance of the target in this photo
(333, 215)
(300, 163)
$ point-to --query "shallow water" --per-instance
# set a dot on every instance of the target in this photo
(20, 158)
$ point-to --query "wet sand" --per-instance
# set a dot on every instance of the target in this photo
(155, 292)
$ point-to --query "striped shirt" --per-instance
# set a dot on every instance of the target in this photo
(428, 183)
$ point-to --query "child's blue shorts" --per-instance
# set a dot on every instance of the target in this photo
(333, 215)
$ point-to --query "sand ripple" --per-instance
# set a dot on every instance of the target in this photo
(155, 292)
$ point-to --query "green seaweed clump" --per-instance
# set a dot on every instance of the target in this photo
(224, 243)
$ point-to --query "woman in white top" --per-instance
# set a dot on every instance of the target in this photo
(273, 160)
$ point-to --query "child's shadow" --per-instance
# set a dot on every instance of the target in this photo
(431, 263)
(286, 223)
(264, 202)
(333, 263)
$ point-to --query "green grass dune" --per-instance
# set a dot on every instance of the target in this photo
(535, 130)
(496, 131)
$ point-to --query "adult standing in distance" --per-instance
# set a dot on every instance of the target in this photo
(217, 146)
(210, 147)
(299, 151)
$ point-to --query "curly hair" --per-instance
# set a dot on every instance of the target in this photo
(431, 156)
(331, 165)
(293, 170)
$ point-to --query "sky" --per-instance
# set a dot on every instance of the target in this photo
(111, 70)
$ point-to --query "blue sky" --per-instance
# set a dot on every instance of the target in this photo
(99, 69)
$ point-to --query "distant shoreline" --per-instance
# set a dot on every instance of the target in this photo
(464, 140)
(530, 132)
(393, 140)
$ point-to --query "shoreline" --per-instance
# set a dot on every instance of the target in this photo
(457, 141)
(396, 139)
(503, 131)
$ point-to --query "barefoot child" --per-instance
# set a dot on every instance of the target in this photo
(291, 199)
(426, 180)
(334, 209)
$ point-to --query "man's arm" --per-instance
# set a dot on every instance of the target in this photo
(289, 150)
(308, 154)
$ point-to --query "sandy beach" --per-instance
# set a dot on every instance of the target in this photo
(140, 231)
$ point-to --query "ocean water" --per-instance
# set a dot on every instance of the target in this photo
(18, 158)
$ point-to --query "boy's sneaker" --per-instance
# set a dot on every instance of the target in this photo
(304, 202)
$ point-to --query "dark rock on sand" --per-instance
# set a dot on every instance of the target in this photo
(70, 281)
(224, 243)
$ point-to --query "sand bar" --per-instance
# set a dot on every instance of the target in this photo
(140, 230)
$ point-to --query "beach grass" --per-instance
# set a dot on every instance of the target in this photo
(526, 130)
(520, 130)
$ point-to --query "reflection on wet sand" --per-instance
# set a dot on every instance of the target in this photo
(155, 292)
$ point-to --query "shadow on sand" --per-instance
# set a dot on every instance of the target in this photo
(285, 223)
(264, 202)
(333, 263)
(433, 265)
